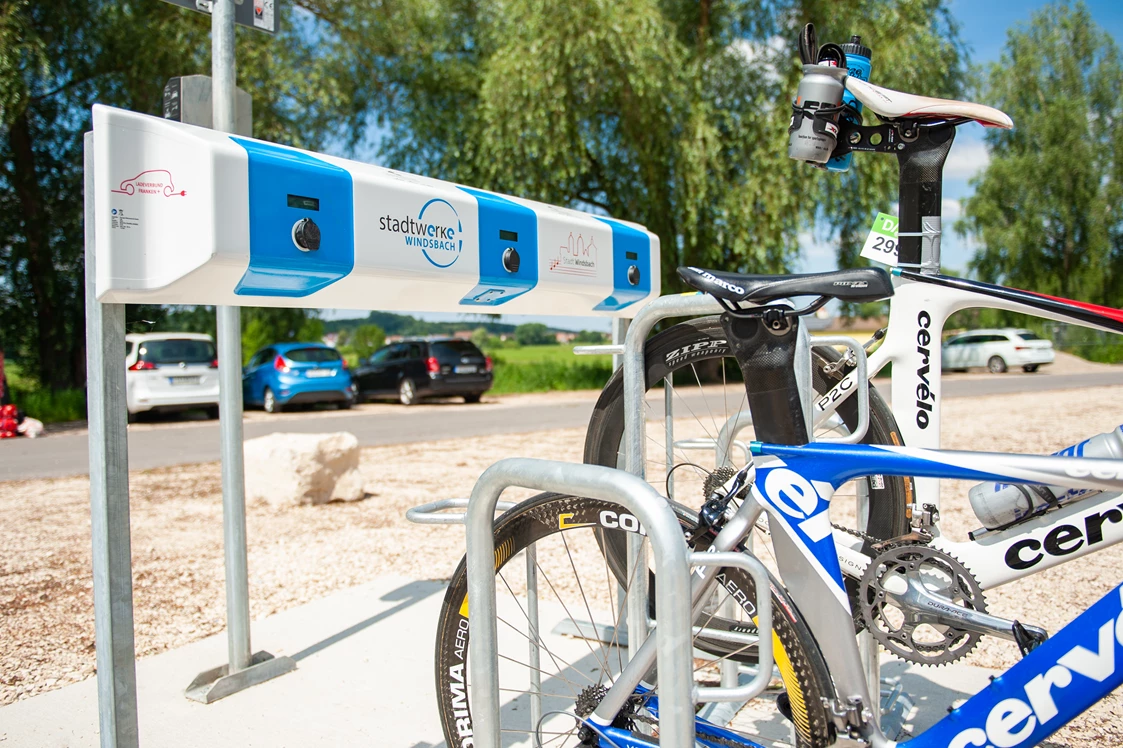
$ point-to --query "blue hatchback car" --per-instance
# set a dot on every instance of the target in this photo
(286, 374)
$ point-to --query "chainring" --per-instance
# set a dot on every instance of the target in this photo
(911, 634)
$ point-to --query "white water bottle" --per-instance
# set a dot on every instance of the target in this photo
(1000, 504)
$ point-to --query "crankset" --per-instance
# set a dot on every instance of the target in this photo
(924, 606)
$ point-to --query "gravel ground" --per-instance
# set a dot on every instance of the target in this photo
(301, 554)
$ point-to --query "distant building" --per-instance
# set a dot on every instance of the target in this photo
(331, 338)
(565, 337)
(462, 335)
(395, 338)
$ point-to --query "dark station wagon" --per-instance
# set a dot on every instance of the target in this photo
(414, 369)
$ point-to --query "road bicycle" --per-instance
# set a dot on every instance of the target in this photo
(693, 361)
(592, 697)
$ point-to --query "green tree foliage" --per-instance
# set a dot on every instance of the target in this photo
(366, 339)
(1046, 211)
(590, 337)
(59, 57)
(534, 333)
(672, 113)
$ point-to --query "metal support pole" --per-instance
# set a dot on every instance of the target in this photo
(109, 498)
(676, 709)
(635, 438)
(230, 378)
(244, 668)
(619, 332)
(669, 428)
(534, 660)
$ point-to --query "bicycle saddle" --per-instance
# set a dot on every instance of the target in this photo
(892, 104)
(858, 285)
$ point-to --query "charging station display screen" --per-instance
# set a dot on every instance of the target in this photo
(508, 236)
(304, 203)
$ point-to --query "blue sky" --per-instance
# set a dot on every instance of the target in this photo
(983, 26)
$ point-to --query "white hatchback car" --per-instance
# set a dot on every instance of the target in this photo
(171, 371)
(997, 350)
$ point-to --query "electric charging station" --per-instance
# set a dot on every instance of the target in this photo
(193, 216)
(178, 214)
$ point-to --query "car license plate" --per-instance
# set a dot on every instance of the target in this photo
(183, 380)
(466, 369)
(321, 372)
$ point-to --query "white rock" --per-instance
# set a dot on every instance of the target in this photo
(289, 469)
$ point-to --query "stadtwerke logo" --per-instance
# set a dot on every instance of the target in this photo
(436, 231)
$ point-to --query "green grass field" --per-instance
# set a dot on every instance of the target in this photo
(541, 354)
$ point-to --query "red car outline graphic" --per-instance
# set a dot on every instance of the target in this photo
(128, 186)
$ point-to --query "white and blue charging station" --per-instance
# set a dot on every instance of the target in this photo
(189, 215)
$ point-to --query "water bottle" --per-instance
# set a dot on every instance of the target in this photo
(812, 138)
(1000, 504)
(858, 58)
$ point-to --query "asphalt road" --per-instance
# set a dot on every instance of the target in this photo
(185, 442)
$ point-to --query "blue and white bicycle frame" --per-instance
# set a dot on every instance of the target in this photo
(1058, 680)
(919, 308)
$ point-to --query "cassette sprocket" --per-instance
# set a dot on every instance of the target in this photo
(912, 633)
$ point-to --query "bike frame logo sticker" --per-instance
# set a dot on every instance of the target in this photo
(578, 256)
(436, 231)
(156, 182)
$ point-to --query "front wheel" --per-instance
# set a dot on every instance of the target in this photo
(580, 649)
(996, 365)
(1030, 368)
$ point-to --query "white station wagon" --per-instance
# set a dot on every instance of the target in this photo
(997, 350)
(171, 371)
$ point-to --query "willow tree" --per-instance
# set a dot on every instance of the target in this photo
(57, 59)
(1046, 212)
(672, 113)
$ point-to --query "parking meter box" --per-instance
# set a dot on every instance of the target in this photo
(187, 215)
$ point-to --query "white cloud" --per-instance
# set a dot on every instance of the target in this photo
(966, 160)
(952, 210)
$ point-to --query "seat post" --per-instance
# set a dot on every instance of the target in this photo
(921, 196)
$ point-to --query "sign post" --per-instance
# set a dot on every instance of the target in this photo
(243, 668)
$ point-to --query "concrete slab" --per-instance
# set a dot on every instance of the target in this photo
(364, 676)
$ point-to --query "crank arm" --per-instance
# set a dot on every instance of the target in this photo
(934, 609)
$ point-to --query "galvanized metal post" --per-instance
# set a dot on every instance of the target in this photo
(676, 710)
(109, 498)
(534, 655)
(243, 668)
(230, 378)
(669, 432)
(635, 438)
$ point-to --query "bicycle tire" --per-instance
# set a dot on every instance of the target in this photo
(702, 340)
(544, 520)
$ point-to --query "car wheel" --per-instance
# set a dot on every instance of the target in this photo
(269, 402)
(996, 365)
(407, 393)
(472, 398)
(343, 405)
(212, 412)
(1030, 368)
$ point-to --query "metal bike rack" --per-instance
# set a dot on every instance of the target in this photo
(671, 562)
